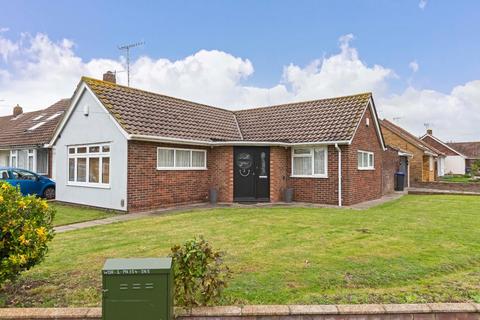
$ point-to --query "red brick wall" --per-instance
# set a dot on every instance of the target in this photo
(149, 188)
(220, 168)
(317, 190)
(391, 164)
(363, 185)
(279, 163)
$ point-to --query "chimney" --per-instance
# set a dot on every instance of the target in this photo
(110, 77)
(17, 110)
(430, 132)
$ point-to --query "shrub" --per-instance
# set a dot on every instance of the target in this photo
(475, 168)
(199, 272)
(26, 228)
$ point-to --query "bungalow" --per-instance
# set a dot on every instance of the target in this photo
(424, 159)
(132, 150)
(471, 151)
(24, 137)
(454, 161)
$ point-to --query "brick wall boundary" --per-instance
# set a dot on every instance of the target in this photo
(429, 311)
(450, 186)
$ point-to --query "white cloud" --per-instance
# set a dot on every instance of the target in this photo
(40, 71)
(413, 65)
(4, 29)
(422, 4)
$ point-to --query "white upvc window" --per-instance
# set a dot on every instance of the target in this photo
(366, 160)
(24, 159)
(89, 165)
(181, 159)
(310, 162)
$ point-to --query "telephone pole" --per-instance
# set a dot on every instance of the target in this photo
(127, 48)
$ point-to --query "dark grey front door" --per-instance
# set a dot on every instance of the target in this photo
(251, 174)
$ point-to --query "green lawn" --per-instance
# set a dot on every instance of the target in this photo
(73, 214)
(458, 178)
(415, 249)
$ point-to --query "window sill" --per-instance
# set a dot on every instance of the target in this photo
(181, 169)
(366, 169)
(310, 177)
(88, 185)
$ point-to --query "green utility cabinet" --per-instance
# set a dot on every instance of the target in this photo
(137, 289)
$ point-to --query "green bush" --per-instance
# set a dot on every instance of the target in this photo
(475, 168)
(199, 272)
(26, 228)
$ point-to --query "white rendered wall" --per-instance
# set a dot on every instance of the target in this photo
(454, 165)
(97, 127)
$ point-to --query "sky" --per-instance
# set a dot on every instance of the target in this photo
(420, 58)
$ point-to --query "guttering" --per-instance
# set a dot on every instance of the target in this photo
(339, 152)
(229, 143)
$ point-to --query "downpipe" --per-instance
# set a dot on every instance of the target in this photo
(339, 152)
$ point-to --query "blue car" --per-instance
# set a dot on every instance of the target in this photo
(29, 182)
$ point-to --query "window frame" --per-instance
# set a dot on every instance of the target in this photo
(312, 155)
(204, 151)
(88, 155)
(368, 167)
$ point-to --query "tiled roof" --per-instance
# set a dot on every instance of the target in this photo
(313, 121)
(146, 113)
(14, 131)
(404, 134)
(470, 149)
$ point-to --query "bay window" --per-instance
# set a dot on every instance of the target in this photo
(30, 159)
(89, 165)
(365, 160)
(181, 159)
(310, 162)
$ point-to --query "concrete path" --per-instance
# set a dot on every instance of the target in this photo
(134, 216)
(386, 198)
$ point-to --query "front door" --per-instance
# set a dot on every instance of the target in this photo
(251, 174)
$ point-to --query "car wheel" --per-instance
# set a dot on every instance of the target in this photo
(49, 193)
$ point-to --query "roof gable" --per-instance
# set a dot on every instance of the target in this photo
(326, 120)
(431, 141)
(410, 138)
(32, 128)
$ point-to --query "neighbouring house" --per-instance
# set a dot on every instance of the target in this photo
(471, 151)
(423, 164)
(454, 161)
(25, 138)
(132, 150)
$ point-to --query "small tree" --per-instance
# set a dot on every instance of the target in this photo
(26, 228)
(475, 168)
(199, 273)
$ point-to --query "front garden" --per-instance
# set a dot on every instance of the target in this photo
(415, 249)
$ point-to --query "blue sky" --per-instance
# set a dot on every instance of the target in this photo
(427, 46)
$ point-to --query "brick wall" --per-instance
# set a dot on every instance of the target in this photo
(149, 188)
(452, 186)
(416, 162)
(391, 164)
(220, 168)
(427, 174)
(317, 190)
(279, 164)
(363, 185)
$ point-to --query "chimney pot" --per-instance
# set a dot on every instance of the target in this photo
(430, 132)
(17, 110)
(110, 77)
